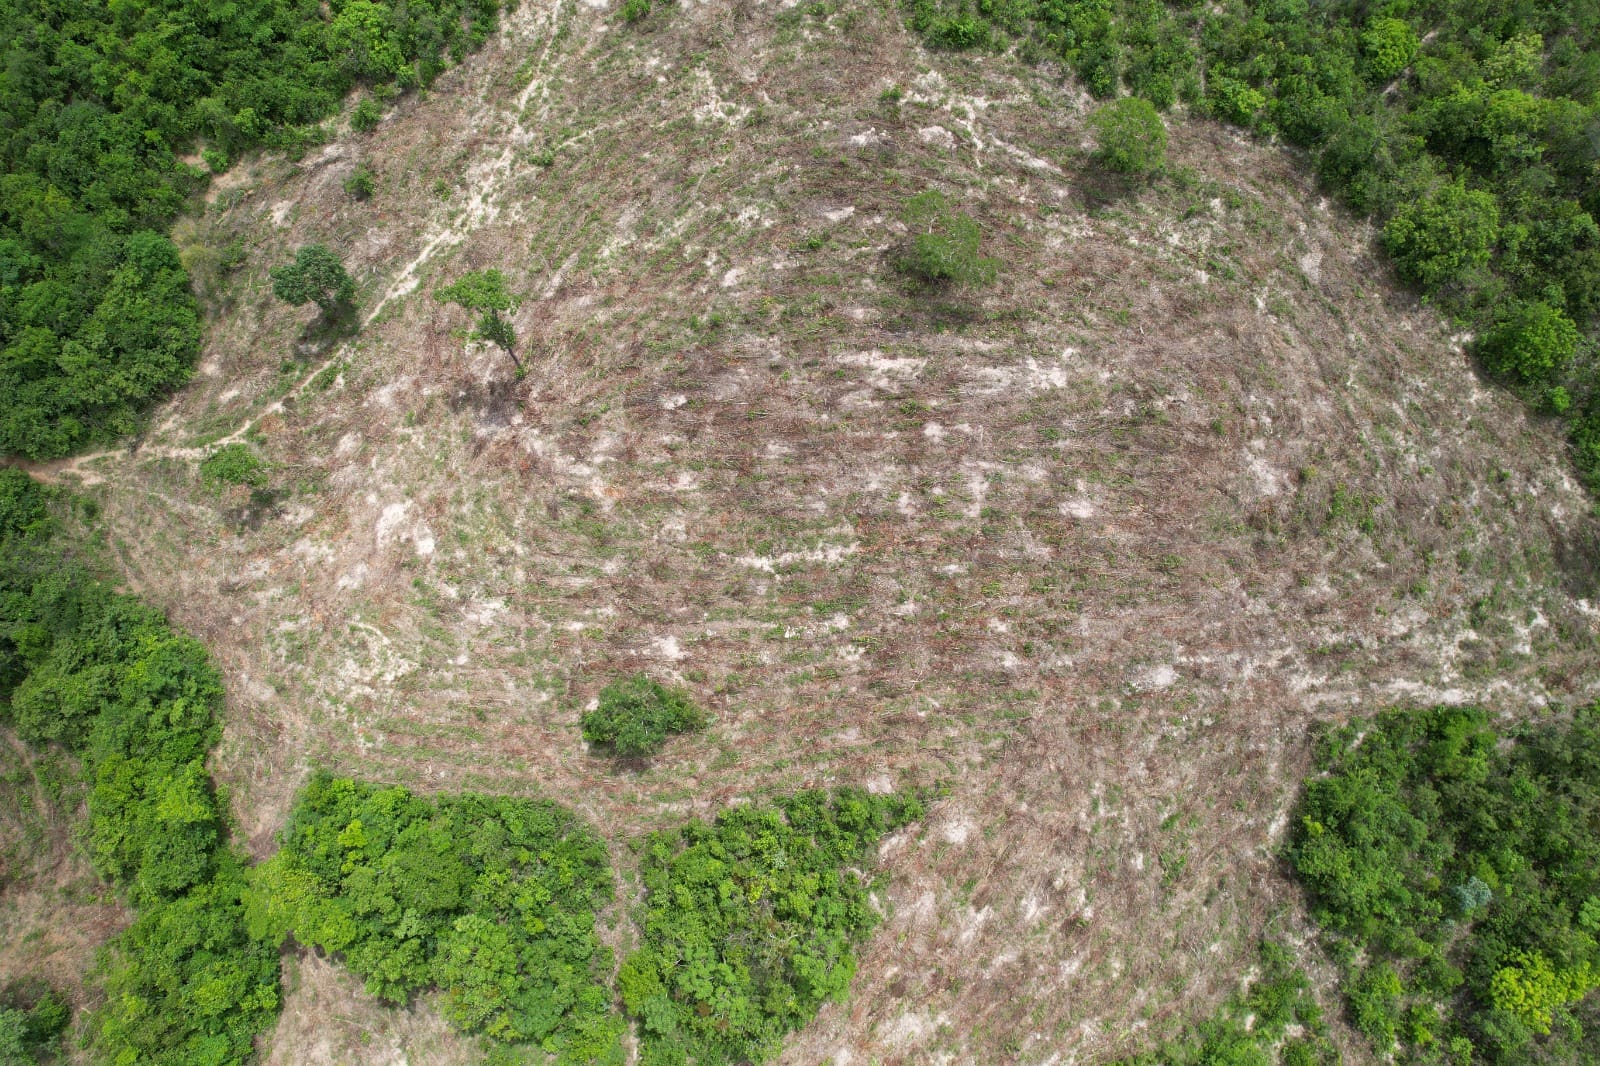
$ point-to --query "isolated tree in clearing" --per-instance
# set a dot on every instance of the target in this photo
(485, 291)
(317, 275)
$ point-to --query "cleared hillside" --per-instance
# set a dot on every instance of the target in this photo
(1093, 547)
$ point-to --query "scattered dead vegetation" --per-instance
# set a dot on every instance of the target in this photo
(1094, 546)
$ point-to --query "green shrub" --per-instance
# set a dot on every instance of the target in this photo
(635, 716)
(489, 899)
(751, 923)
(233, 464)
(361, 183)
(32, 1018)
(366, 115)
(1129, 136)
(1389, 46)
(945, 244)
(1533, 345)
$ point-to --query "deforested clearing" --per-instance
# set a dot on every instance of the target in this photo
(1091, 547)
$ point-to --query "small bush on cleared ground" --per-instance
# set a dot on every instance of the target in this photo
(635, 717)
(1129, 136)
(945, 243)
(233, 464)
(751, 923)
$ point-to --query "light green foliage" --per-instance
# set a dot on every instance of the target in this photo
(635, 716)
(315, 275)
(233, 464)
(101, 102)
(1129, 136)
(1533, 345)
(945, 243)
(1445, 237)
(1389, 46)
(104, 675)
(751, 924)
(491, 900)
(1412, 807)
(1531, 989)
(485, 291)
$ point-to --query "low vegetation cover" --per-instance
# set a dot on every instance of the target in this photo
(103, 675)
(1274, 1019)
(100, 102)
(1465, 129)
(751, 923)
(634, 717)
(491, 900)
(1455, 871)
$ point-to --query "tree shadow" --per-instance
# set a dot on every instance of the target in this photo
(328, 329)
(1100, 190)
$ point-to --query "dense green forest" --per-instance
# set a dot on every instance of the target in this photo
(751, 923)
(491, 900)
(98, 104)
(1469, 129)
(103, 675)
(1456, 873)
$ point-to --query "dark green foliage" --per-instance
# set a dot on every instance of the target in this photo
(1467, 870)
(99, 102)
(361, 184)
(1466, 129)
(315, 275)
(751, 924)
(944, 245)
(1129, 136)
(32, 1018)
(105, 676)
(233, 464)
(1251, 1029)
(490, 899)
(635, 716)
(485, 291)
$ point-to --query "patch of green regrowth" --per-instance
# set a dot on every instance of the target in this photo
(234, 464)
(1129, 136)
(635, 716)
(490, 900)
(361, 183)
(1254, 1027)
(751, 923)
(945, 245)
